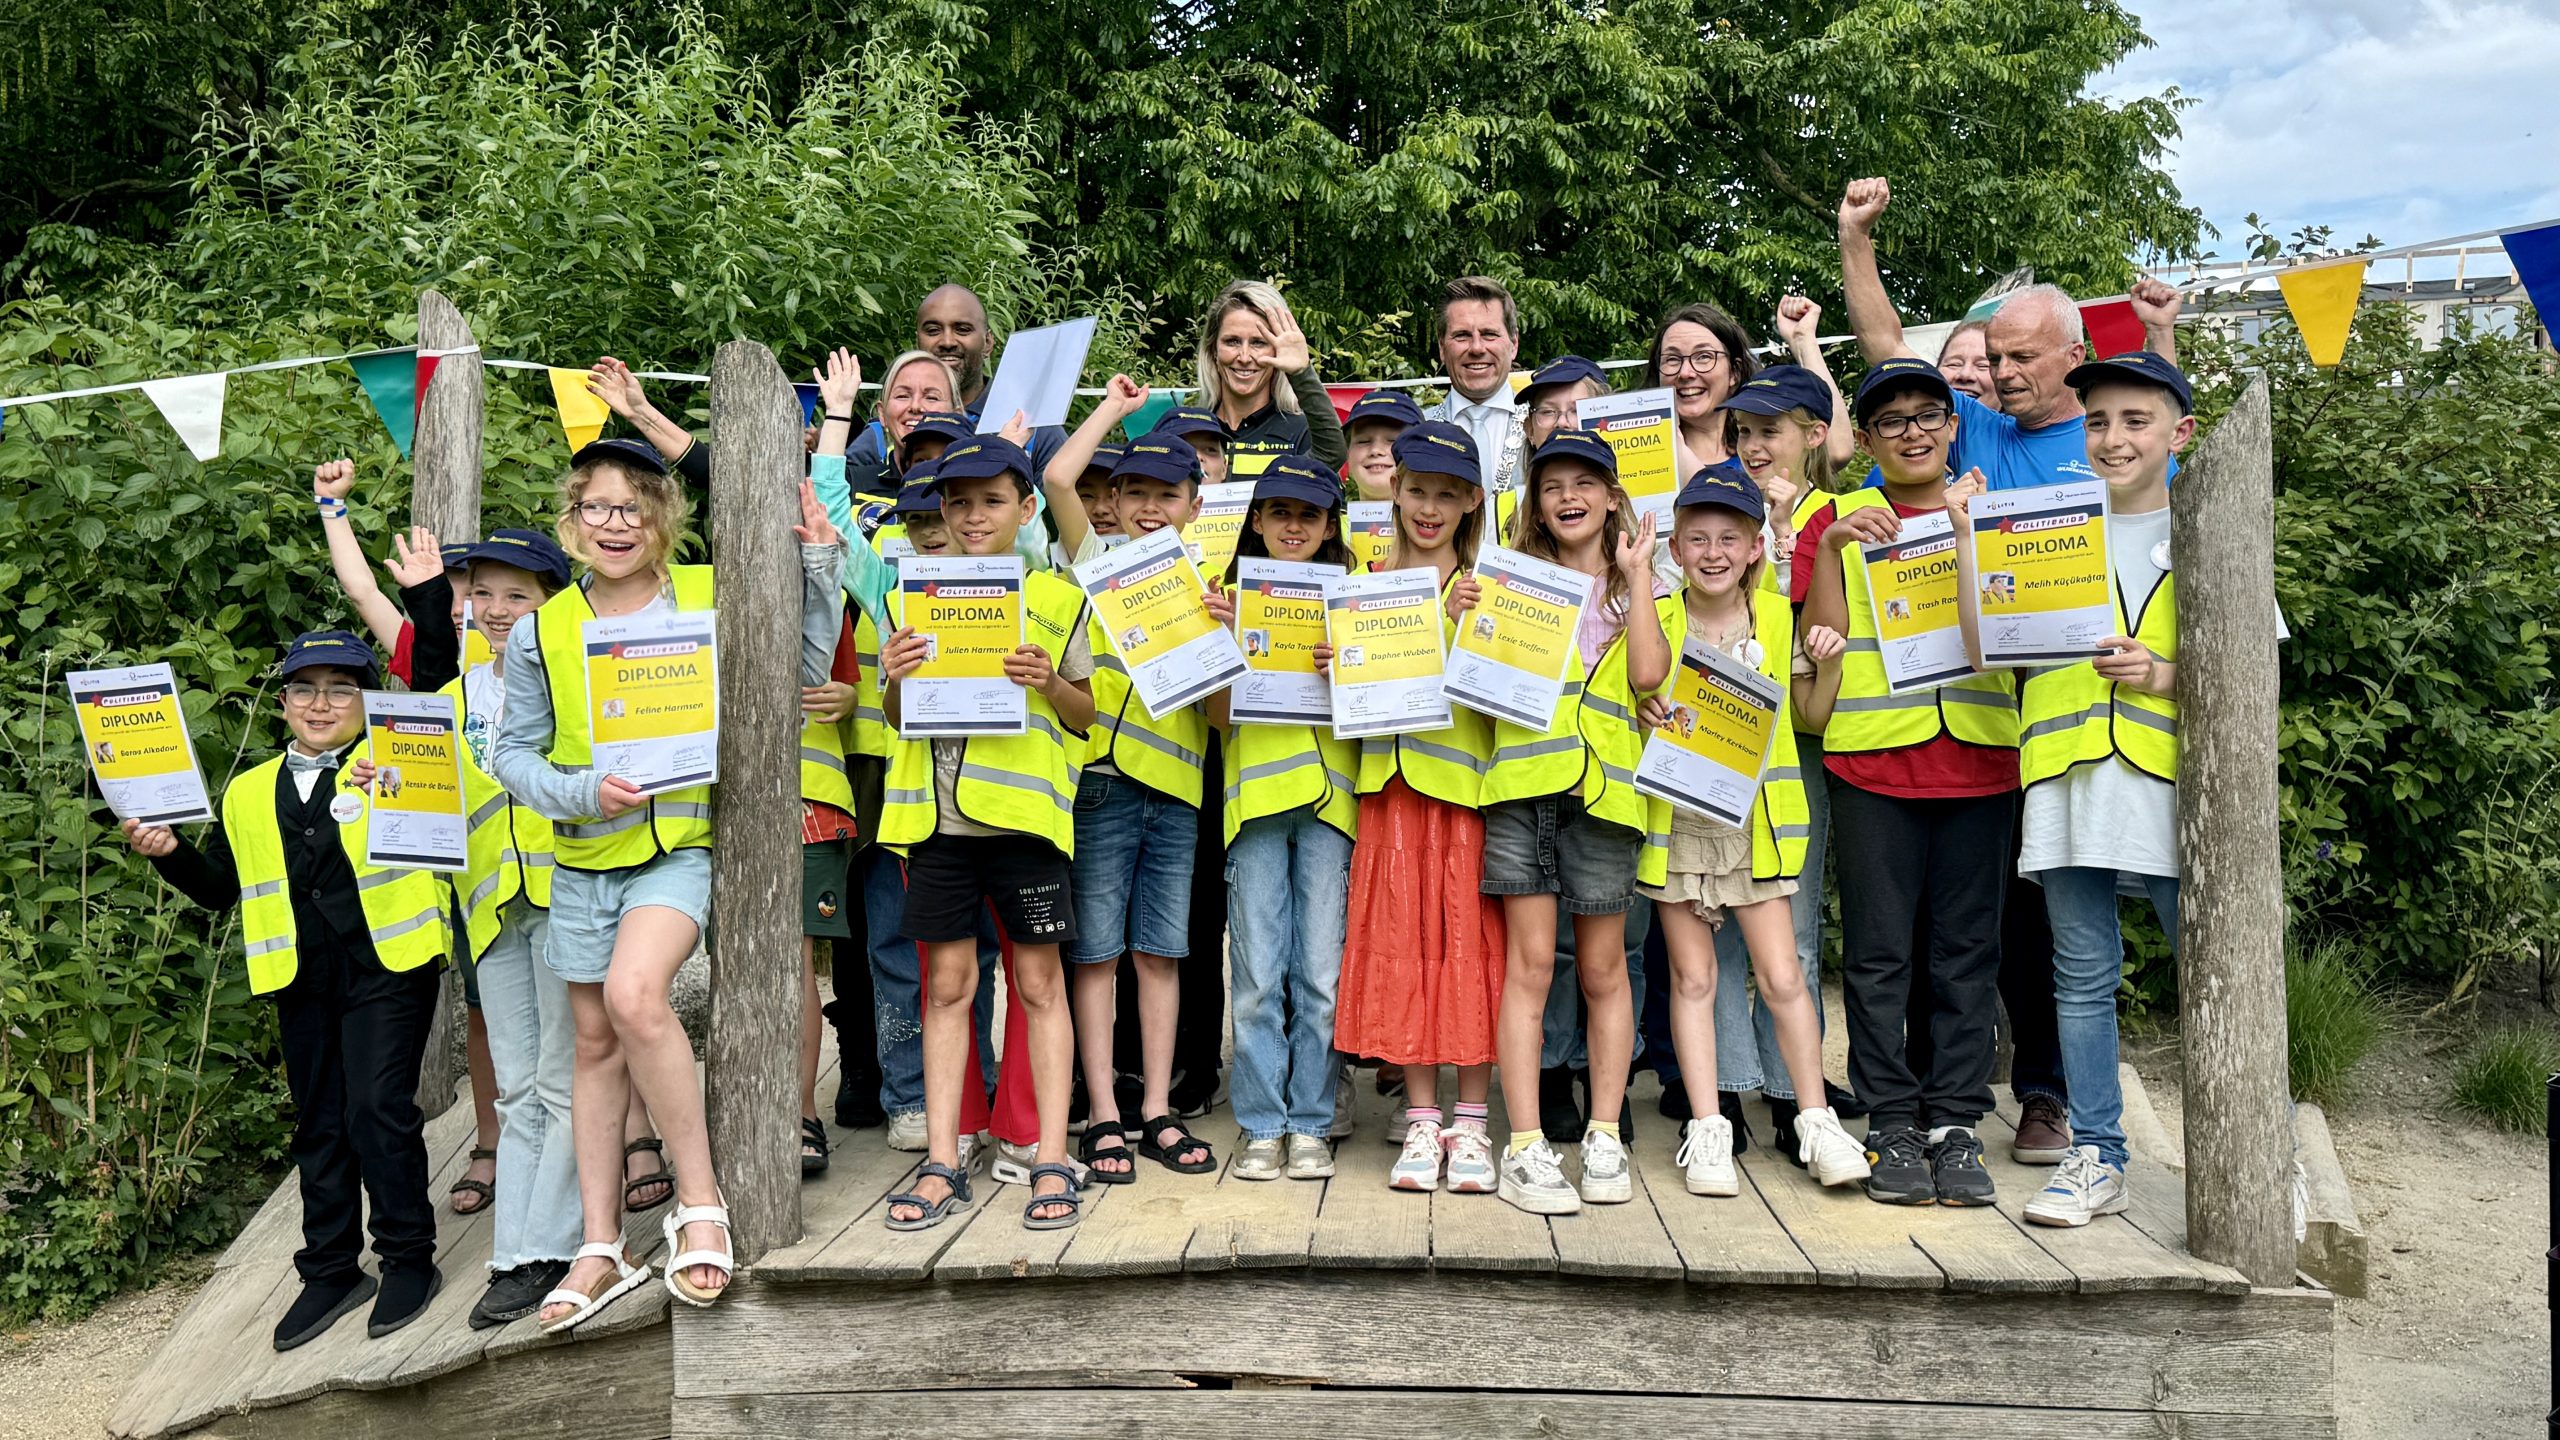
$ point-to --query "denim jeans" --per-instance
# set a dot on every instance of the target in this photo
(897, 985)
(1566, 1040)
(533, 1048)
(1289, 889)
(2088, 965)
(1132, 871)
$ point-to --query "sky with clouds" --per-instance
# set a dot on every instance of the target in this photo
(2405, 119)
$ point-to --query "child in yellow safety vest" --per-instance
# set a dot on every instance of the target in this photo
(2098, 754)
(1564, 825)
(350, 952)
(631, 889)
(1422, 949)
(1923, 786)
(1703, 872)
(1291, 808)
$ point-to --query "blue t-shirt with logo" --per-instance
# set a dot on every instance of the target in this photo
(2012, 456)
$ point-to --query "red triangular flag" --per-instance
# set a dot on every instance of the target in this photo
(426, 371)
(2113, 329)
(1343, 398)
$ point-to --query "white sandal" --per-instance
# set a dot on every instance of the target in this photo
(722, 1260)
(627, 1278)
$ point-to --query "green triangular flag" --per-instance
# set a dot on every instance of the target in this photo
(390, 380)
(1151, 410)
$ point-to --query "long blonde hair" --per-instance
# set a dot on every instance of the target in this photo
(1530, 535)
(1403, 553)
(666, 513)
(1264, 301)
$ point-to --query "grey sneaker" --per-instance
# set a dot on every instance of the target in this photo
(1605, 1180)
(906, 1130)
(1533, 1180)
(1258, 1160)
(1309, 1158)
(1343, 1095)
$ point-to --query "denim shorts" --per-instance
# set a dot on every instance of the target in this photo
(1552, 846)
(587, 907)
(1132, 871)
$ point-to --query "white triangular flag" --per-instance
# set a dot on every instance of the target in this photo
(1929, 341)
(192, 404)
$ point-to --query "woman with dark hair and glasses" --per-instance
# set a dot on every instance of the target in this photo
(1701, 353)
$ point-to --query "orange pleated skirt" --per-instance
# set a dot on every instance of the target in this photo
(1422, 956)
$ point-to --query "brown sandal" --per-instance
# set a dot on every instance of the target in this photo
(662, 1177)
(481, 1193)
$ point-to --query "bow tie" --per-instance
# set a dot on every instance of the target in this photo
(297, 762)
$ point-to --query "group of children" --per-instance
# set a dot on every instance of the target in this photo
(1401, 900)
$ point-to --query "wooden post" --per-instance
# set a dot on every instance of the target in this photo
(444, 496)
(2231, 902)
(751, 1060)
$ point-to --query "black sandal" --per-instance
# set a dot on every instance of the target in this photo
(934, 1211)
(1163, 1155)
(1090, 1150)
(813, 1148)
(664, 1177)
(486, 1190)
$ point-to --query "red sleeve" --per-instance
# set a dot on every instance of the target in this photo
(846, 668)
(1809, 543)
(402, 652)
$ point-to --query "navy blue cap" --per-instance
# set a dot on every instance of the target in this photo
(949, 426)
(638, 454)
(527, 550)
(1725, 484)
(1186, 422)
(982, 456)
(1106, 455)
(455, 554)
(1779, 389)
(1436, 447)
(1569, 443)
(1562, 370)
(919, 496)
(1393, 407)
(1298, 477)
(1158, 456)
(342, 648)
(1890, 378)
(2140, 367)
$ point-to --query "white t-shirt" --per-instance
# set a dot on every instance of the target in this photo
(484, 699)
(2108, 815)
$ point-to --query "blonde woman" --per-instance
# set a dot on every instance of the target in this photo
(1257, 377)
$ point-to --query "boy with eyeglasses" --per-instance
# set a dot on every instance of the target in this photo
(350, 953)
(1923, 807)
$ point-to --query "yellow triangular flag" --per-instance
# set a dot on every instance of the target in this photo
(582, 415)
(2323, 301)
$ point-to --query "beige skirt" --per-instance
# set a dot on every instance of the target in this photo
(1710, 870)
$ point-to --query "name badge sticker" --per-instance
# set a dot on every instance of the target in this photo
(348, 808)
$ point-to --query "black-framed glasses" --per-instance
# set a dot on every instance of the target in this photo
(306, 695)
(1703, 362)
(1894, 427)
(597, 514)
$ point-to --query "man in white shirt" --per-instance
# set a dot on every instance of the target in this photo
(1479, 341)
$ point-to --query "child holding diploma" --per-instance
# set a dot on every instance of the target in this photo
(1291, 810)
(1563, 822)
(1422, 950)
(1710, 872)
(2099, 759)
(350, 954)
(632, 886)
(1923, 786)
(985, 822)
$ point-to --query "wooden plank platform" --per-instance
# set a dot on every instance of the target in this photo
(1675, 1300)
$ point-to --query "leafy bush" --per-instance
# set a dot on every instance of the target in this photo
(2505, 1079)
(2332, 1017)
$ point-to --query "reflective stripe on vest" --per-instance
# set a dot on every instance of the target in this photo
(1979, 709)
(871, 735)
(2071, 715)
(1274, 769)
(404, 910)
(1167, 756)
(1446, 764)
(1024, 783)
(510, 852)
(1781, 822)
(676, 820)
(1593, 748)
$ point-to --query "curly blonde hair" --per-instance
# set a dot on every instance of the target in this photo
(666, 514)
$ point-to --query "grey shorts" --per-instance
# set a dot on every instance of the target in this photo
(587, 907)
(1552, 846)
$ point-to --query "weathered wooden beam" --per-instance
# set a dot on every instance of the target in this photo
(444, 496)
(2231, 899)
(751, 1061)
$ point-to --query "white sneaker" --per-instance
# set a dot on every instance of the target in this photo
(1418, 1168)
(1826, 1151)
(1706, 1156)
(1470, 1153)
(1533, 1180)
(1605, 1180)
(906, 1130)
(1258, 1160)
(2082, 1189)
(970, 1145)
(1310, 1158)
(1340, 1129)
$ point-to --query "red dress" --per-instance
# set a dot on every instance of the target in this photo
(1422, 957)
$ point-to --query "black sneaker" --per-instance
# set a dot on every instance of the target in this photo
(406, 1290)
(514, 1294)
(1782, 1130)
(1900, 1158)
(858, 1100)
(1193, 1094)
(1729, 1105)
(1844, 1101)
(1674, 1104)
(320, 1305)
(1558, 1115)
(1957, 1161)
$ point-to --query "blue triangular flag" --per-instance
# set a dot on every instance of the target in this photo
(808, 403)
(2536, 256)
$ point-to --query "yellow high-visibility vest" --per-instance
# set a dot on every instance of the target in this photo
(2070, 715)
(1593, 747)
(676, 820)
(1867, 716)
(510, 851)
(404, 910)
